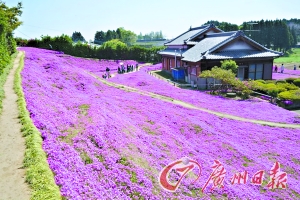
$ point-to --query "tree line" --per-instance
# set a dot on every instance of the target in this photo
(151, 36)
(273, 34)
(8, 23)
(126, 36)
(114, 49)
(278, 35)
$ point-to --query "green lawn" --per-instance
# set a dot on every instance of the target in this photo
(290, 58)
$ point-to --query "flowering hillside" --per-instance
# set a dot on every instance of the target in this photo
(106, 143)
(251, 109)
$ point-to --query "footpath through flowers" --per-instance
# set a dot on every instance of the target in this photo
(107, 143)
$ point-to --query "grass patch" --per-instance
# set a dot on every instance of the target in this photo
(296, 161)
(72, 133)
(85, 158)
(198, 129)
(3, 77)
(290, 57)
(296, 194)
(123, 161)
(164, 74)
(133, 177)
(83, 109)
(100, 158)
(149, 130)
(38, 173)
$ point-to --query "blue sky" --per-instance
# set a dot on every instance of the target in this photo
(172, 17)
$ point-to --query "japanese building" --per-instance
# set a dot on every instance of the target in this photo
(202, 48)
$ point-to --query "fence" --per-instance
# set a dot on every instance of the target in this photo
(199, 83)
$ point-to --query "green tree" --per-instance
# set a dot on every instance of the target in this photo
(228, 78)
(99, 37)
(225, 26)
(8, 23)
(114, 49)
(76, 36)
(128, 37)
(119, 33)
(109, 35)
(229, 65)
(140, 37)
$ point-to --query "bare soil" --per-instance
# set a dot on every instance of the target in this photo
(12, 145)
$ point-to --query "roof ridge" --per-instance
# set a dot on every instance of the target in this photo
(200, 27)
(191, 29)
(234, 35)
(222, 33)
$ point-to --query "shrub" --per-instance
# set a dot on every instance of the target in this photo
(297, 82)
(293, 95)
(269, 81)
(229, 65)
(280, 81)
(272, 92)
(260, 81)
(287, 86)
(227, 77)
(290, 80)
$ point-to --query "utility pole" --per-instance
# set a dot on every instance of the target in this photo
(251, 27)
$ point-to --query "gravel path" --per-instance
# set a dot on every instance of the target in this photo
(12, 145)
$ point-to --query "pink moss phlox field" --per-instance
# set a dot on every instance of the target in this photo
(106, 143)
(278, 76)
(251, 109)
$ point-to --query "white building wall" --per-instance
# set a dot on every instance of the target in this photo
(238, 45)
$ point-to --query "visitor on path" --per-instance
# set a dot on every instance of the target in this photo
(294, 67)
(123, 69)
(107, 72)
(137, 67)
(119, 70)
(282, 68)
(104, 76)
(276, 68)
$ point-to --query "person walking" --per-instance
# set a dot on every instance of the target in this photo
(294, 67)
(137, 67)
(276, 68)
(107, 72)
(282, 68)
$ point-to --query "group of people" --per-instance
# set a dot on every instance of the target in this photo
(129, 68)
(282, 68)
(107, 74)
(121, 70)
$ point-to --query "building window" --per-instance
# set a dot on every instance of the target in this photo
(259, 71)
(255, 71)
(252, 71)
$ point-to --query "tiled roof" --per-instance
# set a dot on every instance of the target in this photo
(191, 42)
(206, 47)
(236, 54)
(171, 52)
(195, 53)
(181, 38)
(209, 47)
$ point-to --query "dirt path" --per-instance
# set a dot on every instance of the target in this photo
(12, 145)
(191, 106)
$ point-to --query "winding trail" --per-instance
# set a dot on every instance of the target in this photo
(12, 144)
(191, 106)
